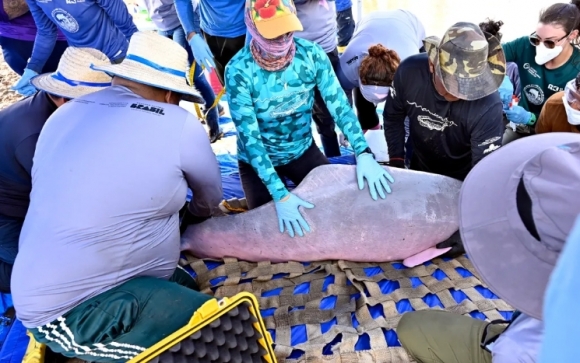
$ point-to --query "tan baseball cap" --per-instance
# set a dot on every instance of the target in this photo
(274, 18)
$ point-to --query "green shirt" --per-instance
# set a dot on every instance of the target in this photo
(537, 82)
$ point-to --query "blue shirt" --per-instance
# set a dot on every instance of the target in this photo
(105, 25)
(561, 305)
(342, 5)
(221, 18)
(272, 111)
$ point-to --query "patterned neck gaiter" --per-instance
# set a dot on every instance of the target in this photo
(270, 54)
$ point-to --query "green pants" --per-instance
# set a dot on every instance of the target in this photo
(120, 323)
(434, 336)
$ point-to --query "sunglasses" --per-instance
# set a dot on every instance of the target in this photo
(550, 44)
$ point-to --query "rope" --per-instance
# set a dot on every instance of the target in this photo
(349, 278)
(203, 116)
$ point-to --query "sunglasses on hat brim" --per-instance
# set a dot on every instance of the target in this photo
(549, 43)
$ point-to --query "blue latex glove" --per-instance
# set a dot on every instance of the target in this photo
(201, 51)
(289, 216)
(376, 176)
(23, 86)
(518, 115)
(506, 92)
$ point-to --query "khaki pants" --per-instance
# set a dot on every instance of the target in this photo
(434, 336)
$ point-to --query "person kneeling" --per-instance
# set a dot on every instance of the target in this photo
(515, 215)
(20, 126)
(97, 274)
(270, 84)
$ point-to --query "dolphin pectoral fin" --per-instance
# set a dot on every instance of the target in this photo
(424, 256)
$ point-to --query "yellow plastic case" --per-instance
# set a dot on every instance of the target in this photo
(34, 351)
(217, 318)
(212, 317)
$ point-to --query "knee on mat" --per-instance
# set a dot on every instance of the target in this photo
(408, 328)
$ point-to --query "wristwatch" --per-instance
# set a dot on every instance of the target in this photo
(367, 151)
(532, 120)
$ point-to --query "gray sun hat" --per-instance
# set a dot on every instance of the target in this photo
(495, 221)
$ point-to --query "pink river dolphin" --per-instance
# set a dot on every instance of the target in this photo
(346, 223)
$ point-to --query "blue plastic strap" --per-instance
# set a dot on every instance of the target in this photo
(156, 66)
(70, 82)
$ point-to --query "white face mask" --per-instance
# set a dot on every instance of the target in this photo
(374, 94)
(571, 95)
(544, 55)
(573, 115)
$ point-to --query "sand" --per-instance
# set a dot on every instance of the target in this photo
(7, 79)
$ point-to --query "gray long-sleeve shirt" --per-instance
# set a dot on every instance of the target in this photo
(318, 18)
(163, 14)
(399, 30)
(109, 176)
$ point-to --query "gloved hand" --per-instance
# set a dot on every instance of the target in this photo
(506, 91)
(23, 86)
(376, 176)
(455, 243)
(518, 115)
(201, 51)
(289, 216)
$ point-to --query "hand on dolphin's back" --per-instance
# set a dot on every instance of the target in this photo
(377, 177)
(289, 217)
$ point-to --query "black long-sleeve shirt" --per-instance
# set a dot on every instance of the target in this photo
(20, 125)
(448, 138)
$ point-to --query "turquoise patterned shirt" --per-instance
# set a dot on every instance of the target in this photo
(272, 111)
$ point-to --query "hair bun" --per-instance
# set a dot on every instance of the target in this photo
(379, 51)
(576, 3)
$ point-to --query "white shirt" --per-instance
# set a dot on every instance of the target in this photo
(520, 343)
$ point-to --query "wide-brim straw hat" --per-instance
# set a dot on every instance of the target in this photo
(154, 60)
(74, 76)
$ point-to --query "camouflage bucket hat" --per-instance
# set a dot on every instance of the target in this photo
(470, 66)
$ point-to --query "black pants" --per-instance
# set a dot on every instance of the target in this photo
(256, 192)
(366, 110)
(9, 235)
(345, 26)
(324, 122)
(16, 53)
(223, 49)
